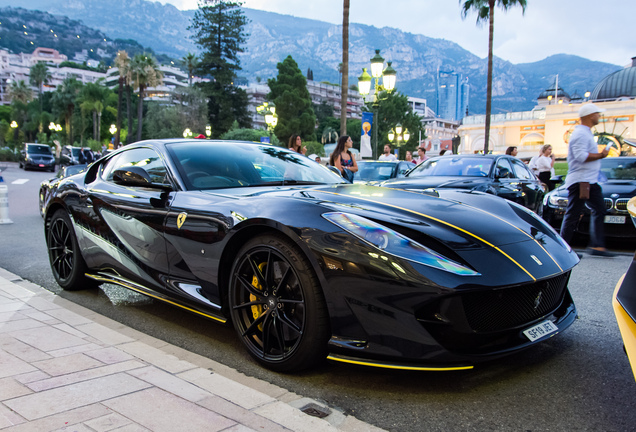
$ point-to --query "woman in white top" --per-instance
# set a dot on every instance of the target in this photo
(544, 164)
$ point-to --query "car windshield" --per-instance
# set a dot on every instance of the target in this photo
(227, 165)
(76, 151)
(39, 149)
(453, 166)
(617, 168)
(372, 171)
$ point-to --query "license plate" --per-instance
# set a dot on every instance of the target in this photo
(540, 330)
(41, 165)
(615, 219)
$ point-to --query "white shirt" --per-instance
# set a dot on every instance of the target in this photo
(581, 145)
(389, 157)
(543, 163)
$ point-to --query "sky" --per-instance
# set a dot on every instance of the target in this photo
(592, 29)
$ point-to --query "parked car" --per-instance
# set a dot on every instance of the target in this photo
(624, 301)
(501, 175)
(618, 180)
(47, 185)
(70, 155)
(37, 156)
(307, 266)
(373, 170)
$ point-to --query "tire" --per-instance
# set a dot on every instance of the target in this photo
(66, 260)
(277, 306)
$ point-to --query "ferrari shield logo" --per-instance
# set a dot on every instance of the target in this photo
(181, 219)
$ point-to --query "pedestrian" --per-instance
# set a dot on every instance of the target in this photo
(387, 155)
(544, 164)
(409, 156)
(343, 159)
(512, 151)
(584, 168)
(421, 153)
(295, 144)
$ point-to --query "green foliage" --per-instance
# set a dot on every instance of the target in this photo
(314, 147)
(218, 30)
(5, 113)
(7, 155)
(254, 135)
(393, 110)
(293, 103)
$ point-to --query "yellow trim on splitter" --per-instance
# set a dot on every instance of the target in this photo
(400, 367)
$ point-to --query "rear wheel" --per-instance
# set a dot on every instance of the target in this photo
(277, 306)
(66, 260)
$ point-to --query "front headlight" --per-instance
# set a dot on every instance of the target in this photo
(557, 201)
(394, 243)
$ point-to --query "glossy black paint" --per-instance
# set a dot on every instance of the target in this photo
(382, 308)
(618, 187)
(48, 185)
(516, 183)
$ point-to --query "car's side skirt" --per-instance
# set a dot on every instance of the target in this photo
(142, 290)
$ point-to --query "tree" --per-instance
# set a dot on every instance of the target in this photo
(92, 97)
(345, 68)
(64, 100)
(122, 62)
(20, 91)
(217, 29)
(289, 93)
(486, 11)
(190, 62)
(145, 73)
(38, 76)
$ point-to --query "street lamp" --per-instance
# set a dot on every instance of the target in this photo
(400, 135)
(187, 133)
(14, 126)
(208, 131)
(380, 91)
(268, 110)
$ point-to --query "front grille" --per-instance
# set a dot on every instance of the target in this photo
(504, 308)
(608, 204)
(621, 204)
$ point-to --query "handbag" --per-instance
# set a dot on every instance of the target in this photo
(584, 190)
(347, 174)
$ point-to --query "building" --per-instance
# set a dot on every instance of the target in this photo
(452, 95)
(173, 78)
(553, 119)
(16, 67)
(319, 93)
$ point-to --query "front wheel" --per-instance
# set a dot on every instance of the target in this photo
(66, 260)
(277, 306)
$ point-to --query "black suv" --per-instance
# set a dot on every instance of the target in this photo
(37, 156)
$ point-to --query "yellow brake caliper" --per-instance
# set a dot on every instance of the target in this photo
(257, 310)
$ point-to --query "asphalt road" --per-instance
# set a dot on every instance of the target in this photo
(577, 381)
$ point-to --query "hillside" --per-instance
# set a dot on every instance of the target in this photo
(317, 45)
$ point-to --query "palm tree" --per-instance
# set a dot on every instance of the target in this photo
(486, 11)
(64, 100)
(92, 100)
(122, 61)
(344, 87)
(190, 62)
(146, 73)
(20, 91)
(329, 135)
(38, 76)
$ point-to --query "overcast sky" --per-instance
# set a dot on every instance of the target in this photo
(596, 30)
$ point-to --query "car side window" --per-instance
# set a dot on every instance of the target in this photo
(521, 171)
(144, 158)
(504, 170)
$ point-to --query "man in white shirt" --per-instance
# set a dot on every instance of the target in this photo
(387, 155)
(584, 167)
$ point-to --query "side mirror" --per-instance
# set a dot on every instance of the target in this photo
(557, 179)
(334, 169)
(503, 173)
(137, 177)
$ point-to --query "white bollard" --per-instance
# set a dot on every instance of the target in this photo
(4, 205)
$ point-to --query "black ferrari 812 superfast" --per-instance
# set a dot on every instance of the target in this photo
(306, 266)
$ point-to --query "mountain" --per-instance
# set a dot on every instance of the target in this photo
(316, 45)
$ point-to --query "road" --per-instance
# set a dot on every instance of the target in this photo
(577, 381)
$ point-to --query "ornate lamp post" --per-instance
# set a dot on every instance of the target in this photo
(268, 110)
(187, 133)
(14, 126)
(380, 91)
(401, 136)
(208, 131)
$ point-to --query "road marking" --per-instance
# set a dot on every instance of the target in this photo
(20, 181)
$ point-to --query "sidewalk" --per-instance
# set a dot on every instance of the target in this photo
(66, 368)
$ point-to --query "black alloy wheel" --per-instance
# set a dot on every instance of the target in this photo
(66, 261)
(277, 306)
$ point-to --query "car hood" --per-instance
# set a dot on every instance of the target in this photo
(624, 188)
(436, 182)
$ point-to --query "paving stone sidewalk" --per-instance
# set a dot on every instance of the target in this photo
(66, 368)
